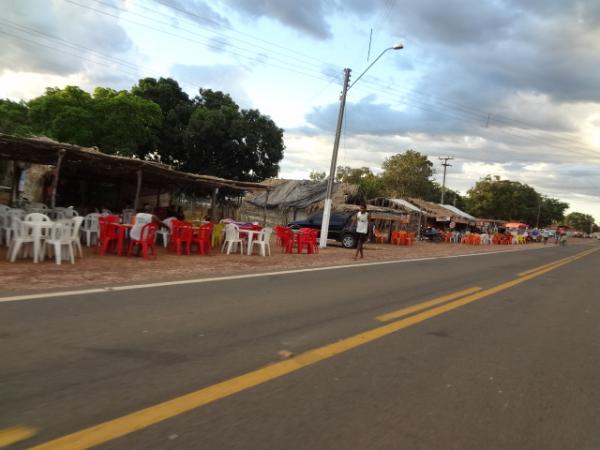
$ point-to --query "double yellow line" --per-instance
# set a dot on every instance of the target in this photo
(121, 426)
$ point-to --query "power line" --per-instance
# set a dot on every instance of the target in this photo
(252, 59)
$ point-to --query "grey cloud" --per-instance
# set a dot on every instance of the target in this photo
(307, 16)
(196, 11)
(226, 78)
(368, 117)
(56, 37)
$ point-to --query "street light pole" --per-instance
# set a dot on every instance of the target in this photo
(336, 144)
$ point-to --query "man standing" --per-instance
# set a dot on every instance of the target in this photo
(362, 230)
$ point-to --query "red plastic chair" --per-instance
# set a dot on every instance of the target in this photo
(182, 235)
(307, 238)
(109, 234)
(203, 238)
(146, 240)
(286, 237)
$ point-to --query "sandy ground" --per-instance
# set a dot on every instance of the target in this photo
(95, 270)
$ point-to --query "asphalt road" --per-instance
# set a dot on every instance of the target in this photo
(515, 365)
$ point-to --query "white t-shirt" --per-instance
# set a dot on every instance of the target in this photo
(362, 222)
(141, 219)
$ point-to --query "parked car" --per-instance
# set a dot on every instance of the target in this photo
(340, 227)
(432, 234)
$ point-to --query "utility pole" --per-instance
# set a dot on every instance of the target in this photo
(446, 165)
(336, 145)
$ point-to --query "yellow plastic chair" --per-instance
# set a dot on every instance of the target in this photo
(217, 235)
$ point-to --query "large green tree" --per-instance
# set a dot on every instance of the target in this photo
(114, 121)
(580, 221)
(493, 198)
(14, 118)
(126, 124)
(66, 115)
(408, 174)
(225, 141)
(176, 108)
(369, 185)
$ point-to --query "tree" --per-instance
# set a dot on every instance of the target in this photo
(14, 118)
(451, 197)
(580, 221)
(176, 108)
(369, 185)
(65, 115)
(126, 124)
(221, 140)
(317, 176)
(493, 198)
(114, 121)
(408, 174)
(551, 211)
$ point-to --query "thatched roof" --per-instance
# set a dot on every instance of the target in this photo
(83, 160)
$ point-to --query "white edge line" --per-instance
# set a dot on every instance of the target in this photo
(130, 287)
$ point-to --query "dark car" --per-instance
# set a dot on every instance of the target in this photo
(432, 234)
(340, 227)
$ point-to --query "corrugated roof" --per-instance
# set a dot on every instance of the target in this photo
(459, 212)
(404, 204)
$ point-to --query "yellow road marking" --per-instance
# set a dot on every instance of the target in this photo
(550, 264)
(121, 426)
(12, 435)
(421, 306)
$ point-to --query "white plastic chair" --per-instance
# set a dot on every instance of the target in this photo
(165, 234)
(263, 241)
(232, 239)
(37, 217)
(4, 209)
(9, 228)
(65, 213)
(22, 239)
(91, 227)
(486, 239)
(74, 225)
(61, 235)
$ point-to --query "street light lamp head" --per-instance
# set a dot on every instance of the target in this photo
(398, 46)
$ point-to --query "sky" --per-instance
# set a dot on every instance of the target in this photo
(506, 87)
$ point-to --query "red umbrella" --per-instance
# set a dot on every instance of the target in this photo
(516, 225)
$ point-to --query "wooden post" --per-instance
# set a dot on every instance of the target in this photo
(138, 190)
(213, 205)
(61, 154)
(14, 194)
(265, 209)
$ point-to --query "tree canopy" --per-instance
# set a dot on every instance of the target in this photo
(208, 134)
(580, 222)
(408, 174)
(494, 198)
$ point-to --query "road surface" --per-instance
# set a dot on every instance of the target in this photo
(497, 351)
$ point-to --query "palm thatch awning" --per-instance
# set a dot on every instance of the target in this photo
(83, 160)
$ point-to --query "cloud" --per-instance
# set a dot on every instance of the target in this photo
(224, 77)
(196, 11)
(307, 16)
(57, 38)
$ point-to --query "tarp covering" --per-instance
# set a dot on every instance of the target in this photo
(293, 194)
